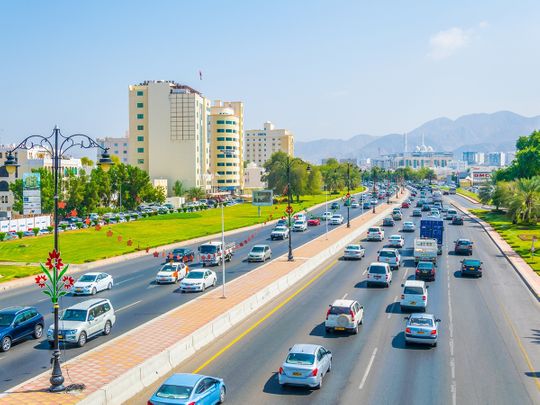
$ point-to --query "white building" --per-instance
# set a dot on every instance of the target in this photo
(116, 146)
(253, 176)
(260, 144)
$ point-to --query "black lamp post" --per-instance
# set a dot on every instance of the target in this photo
(348, 194)
(374, 180)
(289, 200)
(57, 145)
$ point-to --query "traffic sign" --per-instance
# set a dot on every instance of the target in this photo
(289, 210)
(348, 195)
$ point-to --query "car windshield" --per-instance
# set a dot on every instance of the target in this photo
(6, 319)
(388, 220)
(425, 265)
(339, 310)
(87, 278)
(195, 274)
(472, 263)
(336, 216)
(353, 247)
(257, 249)
(421, 322)
(300, 358)
(180, 251)
(279, 228)
(408, 224)
(168, 268)
(387, 253)
(413, 290)
(395, 237)
(464, 242)
(377, 269)
(74, 315)
(207, 249)
(173, 392)
(299, 223)
(373, 230)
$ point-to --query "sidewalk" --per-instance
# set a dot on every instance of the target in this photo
(102, 365)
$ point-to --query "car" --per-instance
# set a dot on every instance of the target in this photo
(445, 192)
(259, 253)
(374, 201)
(426, 208)
(471, 267)
(366, 205)
(355, 204)
(450, 213)
(463, 247)
(300, 217)
(299, 226)
(182, 254)
(18, 323)
(396, 241)
(344, 315)
(417, 212)
(82, 321)
(92, 283)
(171, 272)
(414, 296)
(314, 222)
(422, 329)
(305, 365)
(420, 203)
(279, 232)
(390, 256)
(405, 204)
(282, 222)
(334, 206)
(425, 270)
(375, 233)
(192, 389)
(435, 213)
(379, 273)
(457, 220)
(354, 252)
(397, 216)
(388, 221)
(28, 233)
(198, 280)
(408, 226)
(337, 219)
(326, 215)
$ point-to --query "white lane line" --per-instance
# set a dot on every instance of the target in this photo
(453, 386)
(1, 358)
(404, 276)
(128, 306)
(390, 313)
(345, 296)
(44, 299)
(126, 280)
(364, 273)
(367, 369)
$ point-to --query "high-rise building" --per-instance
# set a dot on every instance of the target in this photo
(509, 158)
(495, 159)
(116, 146)
(169, 135)
(260, 144)
(226, 143)
(473, 158)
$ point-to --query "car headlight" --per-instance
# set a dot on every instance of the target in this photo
(49, 332)
(71, 332)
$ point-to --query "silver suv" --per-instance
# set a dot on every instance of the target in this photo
(83, 321)
(344, 315)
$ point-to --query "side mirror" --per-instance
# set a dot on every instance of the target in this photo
(481, 262)
(403, 285)
(437, 320)
(16, 323)
(407, 317)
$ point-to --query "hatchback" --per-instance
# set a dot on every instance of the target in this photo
(259, 253)
(192, 389)
(344, 315)
(471, 267)
(18, 323)
(425, 271)
(305, 365)
(415, 296)
(379, 273)
(422, 329)
(314, 222)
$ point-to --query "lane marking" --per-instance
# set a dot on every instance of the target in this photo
(127, 279)
(453, 384)
(368, 369)
(364, 273)
(128, 306)
(264, 318)
(390, 313)
(44, 299)
(404, 276)
(344, 296)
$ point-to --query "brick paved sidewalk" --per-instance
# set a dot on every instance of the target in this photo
(105, 363)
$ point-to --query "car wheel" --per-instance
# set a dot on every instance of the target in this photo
(38, 331)
(434, 344)
(82, 339)
(329, 367)
(94, 291)
(362, 320)
(355, 330)
(109, 286)
(107, 328)
(6, 344)
(222, 393)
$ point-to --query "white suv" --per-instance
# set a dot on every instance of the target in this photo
(375, 233)
(82, 321)
(344, 315)
(415, 296)
(390, 256)
(379, 273)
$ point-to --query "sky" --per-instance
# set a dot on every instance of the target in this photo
(323, 69)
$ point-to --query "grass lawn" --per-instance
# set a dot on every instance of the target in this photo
(9, 272)
(518, 236)
(469, 194)
(88, 245)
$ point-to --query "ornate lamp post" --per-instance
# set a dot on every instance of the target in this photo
(348, 194)
(56, 145)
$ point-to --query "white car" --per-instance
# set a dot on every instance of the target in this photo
(92, 283)
(415, 296)
(259, 253)
(375, 233)
(355, 204)
(279, 232)
(354, 252)
(344, 315)
(198, 280)
(171, 272)
(299, 225)
(379, 273)
(396, 241)
(337, 219)
(327, 215)
(300, 217)
(408, 226)
(390, 256)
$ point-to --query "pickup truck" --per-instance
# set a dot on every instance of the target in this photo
(212, 253)
(425, 249)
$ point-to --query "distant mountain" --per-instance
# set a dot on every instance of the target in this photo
(474, 132)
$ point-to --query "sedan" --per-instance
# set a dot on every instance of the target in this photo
(171, 273)
(354, 252)
(405, 204)
(388, 221)
(417, 212)
(185, 255)
(396, 241)
(422, 329)
(193, 389)
(408, 226)
(305, 365)
(92, 283)
(463, 247)
(198, 280)
(425, 271)
(299, 226)
(355, 204)
(457, 220)
(279, 232)
(471, 267)
(259, 253)
(337, 219)
(313, 222)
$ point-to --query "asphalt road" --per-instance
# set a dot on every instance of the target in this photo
(488, 352)
(135, 297)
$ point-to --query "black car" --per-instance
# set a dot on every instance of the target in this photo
(463, 247)
(471, 267)
(18, 323)
(426, 207)
(457, 220)
(425, 271)
(182, 255)
(388, 221)
(334, 206)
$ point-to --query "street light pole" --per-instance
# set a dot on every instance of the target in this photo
(289, 208)
(223, 249)
(326, 209)
(348, 194)
(374, 179)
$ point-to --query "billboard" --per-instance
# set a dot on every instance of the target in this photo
(31, 193)
(262, 198)
(480, 176)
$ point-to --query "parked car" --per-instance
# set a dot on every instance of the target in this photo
(337, 219)
(390, 256)
(388, 221)
(171, 273)
(422, 329)
(425, 270)
(375, 233)
(198, 280)
(414, 296)
(334, 206)
(259, 253)
(18, 323)
(379, 273)
(314, 222)
(299, 226)
(408, 226)
(463, 247)
(192, 389)
(396, 241)
(354, 252)
(92, 283)
(82, 321)
(471, 267)
(183, 254)
(279, 232)
(457, 220)
(305, 365)
(344, 315)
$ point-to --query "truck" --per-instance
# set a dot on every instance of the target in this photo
(212, 253)
(433, 228)
(425, 249)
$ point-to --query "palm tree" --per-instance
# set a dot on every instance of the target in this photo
(525, 204)
(195, 193)
(179, 189)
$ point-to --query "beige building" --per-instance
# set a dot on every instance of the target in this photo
(169, 134)
(227, 133)
(253, 177)
(260, 144)
(116, 146)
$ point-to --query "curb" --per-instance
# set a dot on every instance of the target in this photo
(472, 200)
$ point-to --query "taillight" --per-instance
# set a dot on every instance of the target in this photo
(433, 332)
(407, 330)
(314, 372)
(402, 296)
(417, 271)
(280, 371)
(352, 315)
(327, 313)
(424, 297)
(387, 276)
(192, 403)
(149, 403)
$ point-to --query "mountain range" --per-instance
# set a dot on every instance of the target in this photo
(474, 132)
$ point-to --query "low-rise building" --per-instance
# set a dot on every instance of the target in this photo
(253, 175)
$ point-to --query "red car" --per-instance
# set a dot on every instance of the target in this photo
(405, 204)
(313, 222)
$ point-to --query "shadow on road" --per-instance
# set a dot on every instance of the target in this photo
(535, 374)
(393, 308)
(535, 338)
(272, 387)
(319, 330)
(398, 342)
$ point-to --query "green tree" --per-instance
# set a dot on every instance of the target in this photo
(195, 193)
(87, 161)
(179, 189)
(36, 231)
(276, 174)
(502, 194)
(527, 161)
(525, 203)
(485, 193)
(314, 181)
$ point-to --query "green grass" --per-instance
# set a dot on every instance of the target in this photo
(88, 245)
(469, 194)
(9, 272)
(515, 235)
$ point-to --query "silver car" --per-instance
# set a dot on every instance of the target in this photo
(305, 365)
(408, 226)
(259, 253)
(422, 329)
(354, 252)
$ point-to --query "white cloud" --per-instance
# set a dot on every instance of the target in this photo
(445, 43)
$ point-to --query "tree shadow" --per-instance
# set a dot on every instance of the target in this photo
(272, 386)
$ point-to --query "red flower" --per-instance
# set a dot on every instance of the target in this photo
(54, 260)
(61, 204)
(68, 282)
(40, 280)
(129, 242)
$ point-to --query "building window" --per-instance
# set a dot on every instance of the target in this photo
(221, 173)
(140, 138)
(230, 139)
(140, 116)
(230, 122)
(140, 127)
(140, 150)
(124, 152)
(220, 156)
(220, 122)
(140, 161)
(221, 181)
(220, 147)
(140, 92)
(140, 105)
(228, 130)
(222, 164)
(116, 152)
(220, 130)
(220, 138)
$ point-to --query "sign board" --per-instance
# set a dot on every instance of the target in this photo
(481, 176)
(31, 193)
(263, 198)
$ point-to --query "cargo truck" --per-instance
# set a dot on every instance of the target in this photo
(433, 228)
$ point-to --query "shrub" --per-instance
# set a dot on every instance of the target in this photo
(107, 220)
(36, 231)
(2, 235)
(79, 225)
(63, 226)
(50, 228)
(20, 234)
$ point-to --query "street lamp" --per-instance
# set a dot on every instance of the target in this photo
(374, 180)
(348, 194)
(57, 145)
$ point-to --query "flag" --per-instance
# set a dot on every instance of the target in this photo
(200, 75)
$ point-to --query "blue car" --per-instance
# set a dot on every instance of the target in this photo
(184, 389)
(17, 323)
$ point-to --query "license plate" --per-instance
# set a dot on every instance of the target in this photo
(297, 374)
(413, 302)
(377, 277)
(472, 268)
(60, 337)
(420, 332)
(339, 328)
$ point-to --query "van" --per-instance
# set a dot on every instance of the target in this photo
(379, 273)
(414, 297)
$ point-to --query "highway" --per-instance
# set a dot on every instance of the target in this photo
(488, 352)
(135, 297)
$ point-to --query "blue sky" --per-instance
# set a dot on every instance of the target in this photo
(328, 69)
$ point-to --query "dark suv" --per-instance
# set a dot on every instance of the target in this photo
(17, 323)
(463, 247)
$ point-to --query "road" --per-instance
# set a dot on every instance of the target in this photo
(488, 353)
(135, 297)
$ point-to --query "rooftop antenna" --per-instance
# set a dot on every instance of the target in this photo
(423, 139)
(406, 142)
